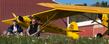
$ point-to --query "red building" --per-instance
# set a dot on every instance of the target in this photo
(20, 7)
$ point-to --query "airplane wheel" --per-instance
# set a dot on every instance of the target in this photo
(99, 35)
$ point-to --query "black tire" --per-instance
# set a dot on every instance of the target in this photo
(99, 35)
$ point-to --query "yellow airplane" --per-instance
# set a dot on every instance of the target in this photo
(86, 9)
(58, 11)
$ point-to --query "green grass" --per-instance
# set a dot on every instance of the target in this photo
(55, 39)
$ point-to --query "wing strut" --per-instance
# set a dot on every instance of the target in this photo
(95, 21)
(45, 24)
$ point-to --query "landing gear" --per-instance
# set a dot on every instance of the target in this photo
(99, 35)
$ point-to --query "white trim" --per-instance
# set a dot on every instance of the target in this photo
(57, 2)
(54, 1)
(68, 21)
(86, 23)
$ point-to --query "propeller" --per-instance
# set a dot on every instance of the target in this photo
(19, 18)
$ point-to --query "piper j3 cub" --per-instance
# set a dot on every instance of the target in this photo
(60, 11)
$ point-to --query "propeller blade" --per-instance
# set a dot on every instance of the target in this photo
(14, 15)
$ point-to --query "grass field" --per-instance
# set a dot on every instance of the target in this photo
(52, 39)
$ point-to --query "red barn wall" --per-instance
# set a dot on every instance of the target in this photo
(20, 7)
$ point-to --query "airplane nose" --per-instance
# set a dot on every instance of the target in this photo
(20, 18)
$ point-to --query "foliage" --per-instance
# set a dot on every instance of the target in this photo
(55, 39)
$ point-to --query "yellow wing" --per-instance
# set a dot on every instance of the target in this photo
(8, 21)
(59, 12)
(58, 8)
(54, 14)
(77, 8)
